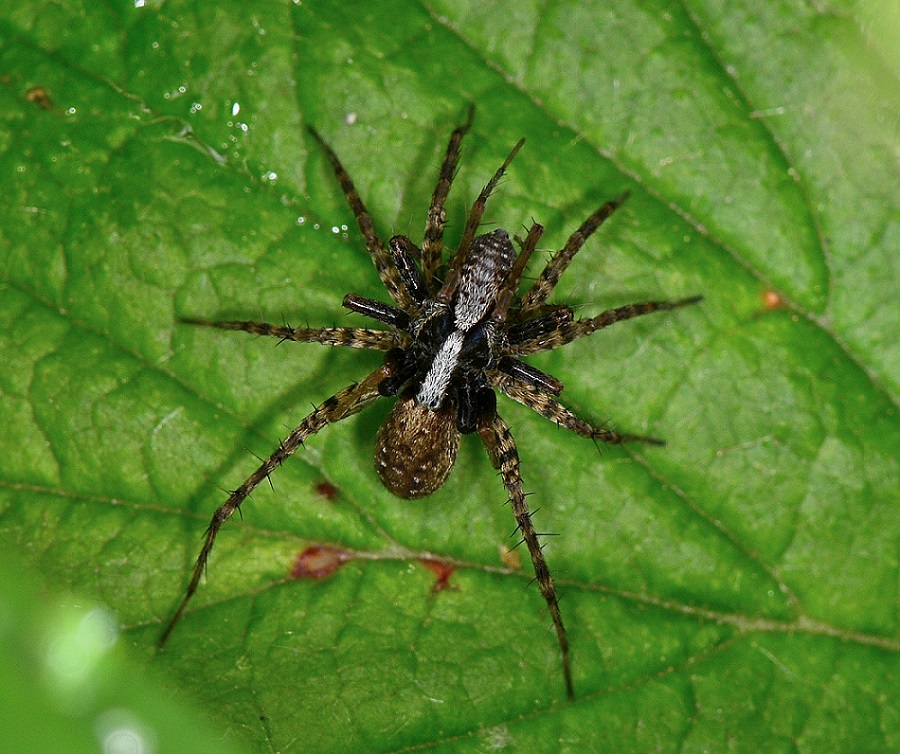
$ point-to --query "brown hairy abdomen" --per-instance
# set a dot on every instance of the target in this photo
(415, 448)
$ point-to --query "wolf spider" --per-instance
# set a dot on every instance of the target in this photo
(455, 335)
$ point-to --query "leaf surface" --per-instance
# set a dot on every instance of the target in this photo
(738, 585)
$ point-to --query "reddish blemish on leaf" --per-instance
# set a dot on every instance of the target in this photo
(327, 490)
(442, 573)
(772, 300)
(318, 561)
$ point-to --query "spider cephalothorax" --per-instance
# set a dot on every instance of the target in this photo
(456, 335)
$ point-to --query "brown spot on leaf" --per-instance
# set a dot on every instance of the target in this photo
(510, 558)
(773, 300)
(40, 97)
(318, 561)
(327, 490)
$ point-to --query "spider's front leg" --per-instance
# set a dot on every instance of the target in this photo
(375, 246)
(502, 450)
(347, 402)
(432, 243)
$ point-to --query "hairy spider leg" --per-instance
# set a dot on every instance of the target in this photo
(349, 337)
(560, 261)
(377, 250)
(345, 403)
(501, 448)
(538, 401)
(432, 242)
(569, 331)
(404, 253)
(377, 310)
(445, 295)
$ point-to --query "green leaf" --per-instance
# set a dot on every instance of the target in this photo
(735, 588)
(67, 685)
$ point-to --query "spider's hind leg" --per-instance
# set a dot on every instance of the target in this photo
(540, 402)
(347, 402)
(502, 449)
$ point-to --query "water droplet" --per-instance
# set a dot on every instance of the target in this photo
(121, 732)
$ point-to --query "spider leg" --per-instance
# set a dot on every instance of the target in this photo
(349, 337)
(347, 402)
(377, 250)
(538, 328)
(404, 253)
(550, 408)
(519, 371)
(502, 449)
(445, 294)
(432, 245)
(389, 315)
(569, 331)
(560, 261)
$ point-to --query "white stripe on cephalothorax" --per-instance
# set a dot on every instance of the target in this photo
(434, 386)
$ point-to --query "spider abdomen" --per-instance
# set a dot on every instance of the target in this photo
(416, 447)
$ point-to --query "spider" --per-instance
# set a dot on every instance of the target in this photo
(456, 334)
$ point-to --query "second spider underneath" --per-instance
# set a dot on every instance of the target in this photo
(456, 334)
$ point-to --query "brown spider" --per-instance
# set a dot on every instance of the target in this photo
(456, 334)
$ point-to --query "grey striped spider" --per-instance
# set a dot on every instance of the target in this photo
(454, 335)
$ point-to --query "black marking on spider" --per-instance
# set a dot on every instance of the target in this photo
(456, 334)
